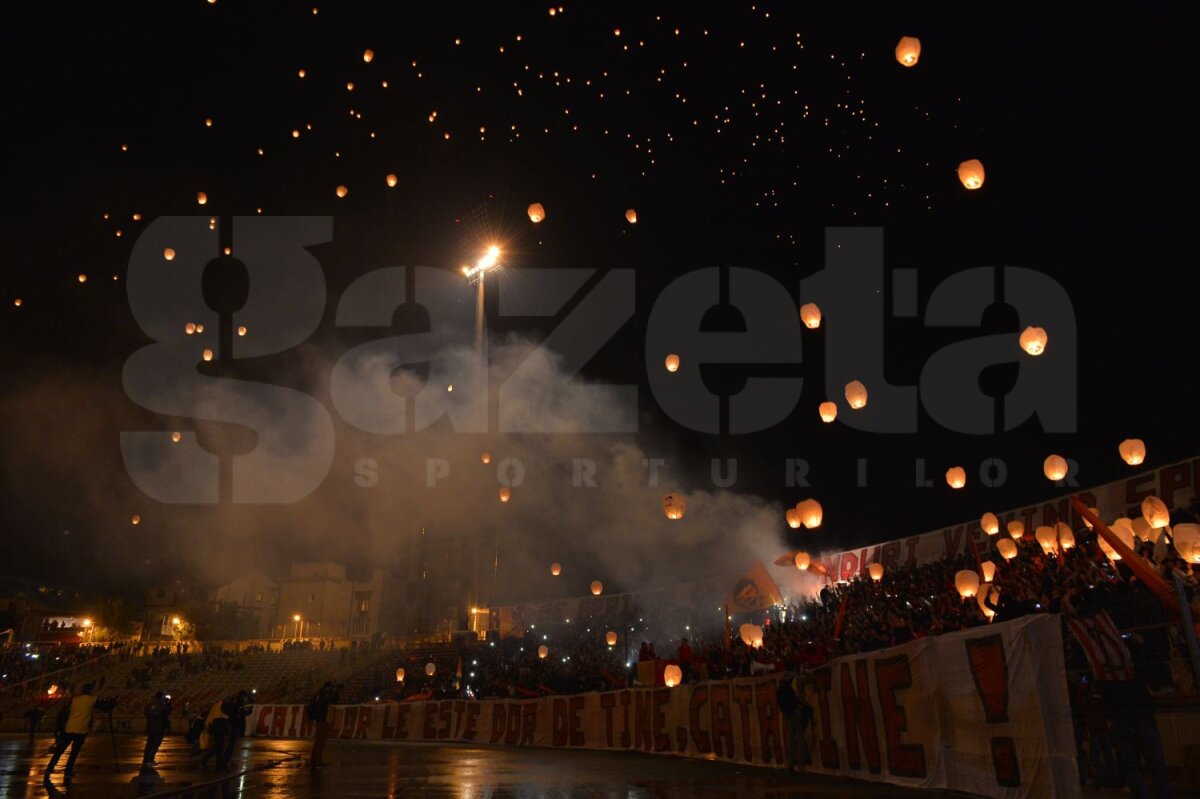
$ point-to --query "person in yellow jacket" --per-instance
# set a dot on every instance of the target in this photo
(216, 724)
(78, 724)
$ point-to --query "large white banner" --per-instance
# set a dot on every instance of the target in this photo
(983, 711)
(1174, 484)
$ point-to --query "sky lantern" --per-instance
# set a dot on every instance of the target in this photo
(631, 216)
(908, 51)
(176, 437)
(136, 519)
(1016, 528)
(82, 278)
(989, 570)
(189, 328)
(1133, 451)
(751, 634)
(1066, 536)
(1055, 467)
(207, 355)
(199, 328)
(1048, 538)
(505, 494)
(241, 331)
(803, 560)
(430, 669)
(597, 588)
(17, 302)
(486, 458)
(990, 523)
(536, 212)
(674, 506)
(201, 198)
(856, 394)
(810, 315)
(392, 180)
(368, 56)
(543, 651)
(52, 690)
(342, 191)
(672, 675)
(982, 596)
(792, 516)
(555, 569)
(828, 411)
(610, 638)
(971, 173)
(967, 583)
(1007, 548)
(876, 571)
(399, 675)
(956, 477)
(168, 254)
(1033, 340)
(1142, 529)
(1107, 549)
(1187, 541)
(1156, 512)
(672, 363)
(810, 512)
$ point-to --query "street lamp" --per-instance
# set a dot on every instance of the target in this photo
(475, 274)
(296, 618)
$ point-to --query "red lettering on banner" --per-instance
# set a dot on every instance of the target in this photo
(471, 731)
(823, 682)
(498, 722)
(460, 707)
(528, 723)
(770, 733)
(641, 724)
(831, 566)
(558, 722)
(260, 726)
(1171, 479)
(849, 565)
(859, 718)
(575, 724)
(891, 675)
(607, 703)
(402, 722)
(662, 741)
(1052, 514)
(912, 549)
(279, 721)
(743, 695)
(349, 718)
(989, 667)
(428, 730)
(890, 554)
(953, 537)
(722, 723)
(625, 699)
(444, 710)
(700, 737)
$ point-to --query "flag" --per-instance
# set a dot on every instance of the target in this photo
(458, 673)
(755, 590)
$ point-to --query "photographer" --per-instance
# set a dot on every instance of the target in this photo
(217, 727)
(158, 724)
(75, 730)
(318, 713)
(237, 710)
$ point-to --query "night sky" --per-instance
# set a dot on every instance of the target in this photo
(737, 134)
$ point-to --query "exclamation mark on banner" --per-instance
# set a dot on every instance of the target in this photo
(989, 667)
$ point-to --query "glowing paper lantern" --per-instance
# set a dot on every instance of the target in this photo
(486, 458)
(828, 411)
(1007, 548)
(201, 198)
(1055, 467)
(631, 216)
(341, 191)
(543, 650)
(1047, 537)
(176, 437)
(1156, 512)
(136, 519)
(856, 394)
(967, 583)
(189, 328)
(168, 254)
(207, 355)
(241, 331)
(672, 675)
(555, 569)
(793, 518)
(1033, 340)
(1123, 528)
(82, 278)
(1107, 549)
(810, 314)
(956, 477)
(505, 494)
(1066, 536)
(982, 597)
(610, 638)
(430, 669)
(810, 513)
(971, 173)
(1187, 541)
(368, 56)
(672, 363)
(989, 570)
(1142, 529)
(751, 634)
(674, 506)
(908, 51)
(1016, 528)
(536, 212)
(990, 523)
(1133, 451)
(392, 180)
(876, 571)
(399, 675)
(597, 588)
(803, 561)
